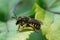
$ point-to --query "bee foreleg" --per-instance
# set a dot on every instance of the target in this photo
(22, 27)
(18, 28)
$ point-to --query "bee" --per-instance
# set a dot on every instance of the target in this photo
(28, 22)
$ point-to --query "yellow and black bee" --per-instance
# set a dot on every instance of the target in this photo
(28, 22)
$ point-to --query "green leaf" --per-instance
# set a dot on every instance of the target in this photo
(3, 31)
(24, 9)
(4, 6)
(54, 32)
(40, 13)
(49, 2)
(41, 3)
(36, 36)
(55, 7)
(50, 5)
(46, 17)
(48, 20)
(3, 10)
(13, 34)
(51, 24)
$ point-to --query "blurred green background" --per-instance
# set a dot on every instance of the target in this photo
(47, 11)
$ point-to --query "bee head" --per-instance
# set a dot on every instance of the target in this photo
(22, 20)
(19, 20)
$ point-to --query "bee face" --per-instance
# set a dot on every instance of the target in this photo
(19, 20)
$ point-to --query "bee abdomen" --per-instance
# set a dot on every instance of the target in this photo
(34, 23)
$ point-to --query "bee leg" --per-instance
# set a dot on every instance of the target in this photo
(22, 27)
(18, 28)
(34, 29)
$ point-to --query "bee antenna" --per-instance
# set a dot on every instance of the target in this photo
(14, 11)
(15, 8)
